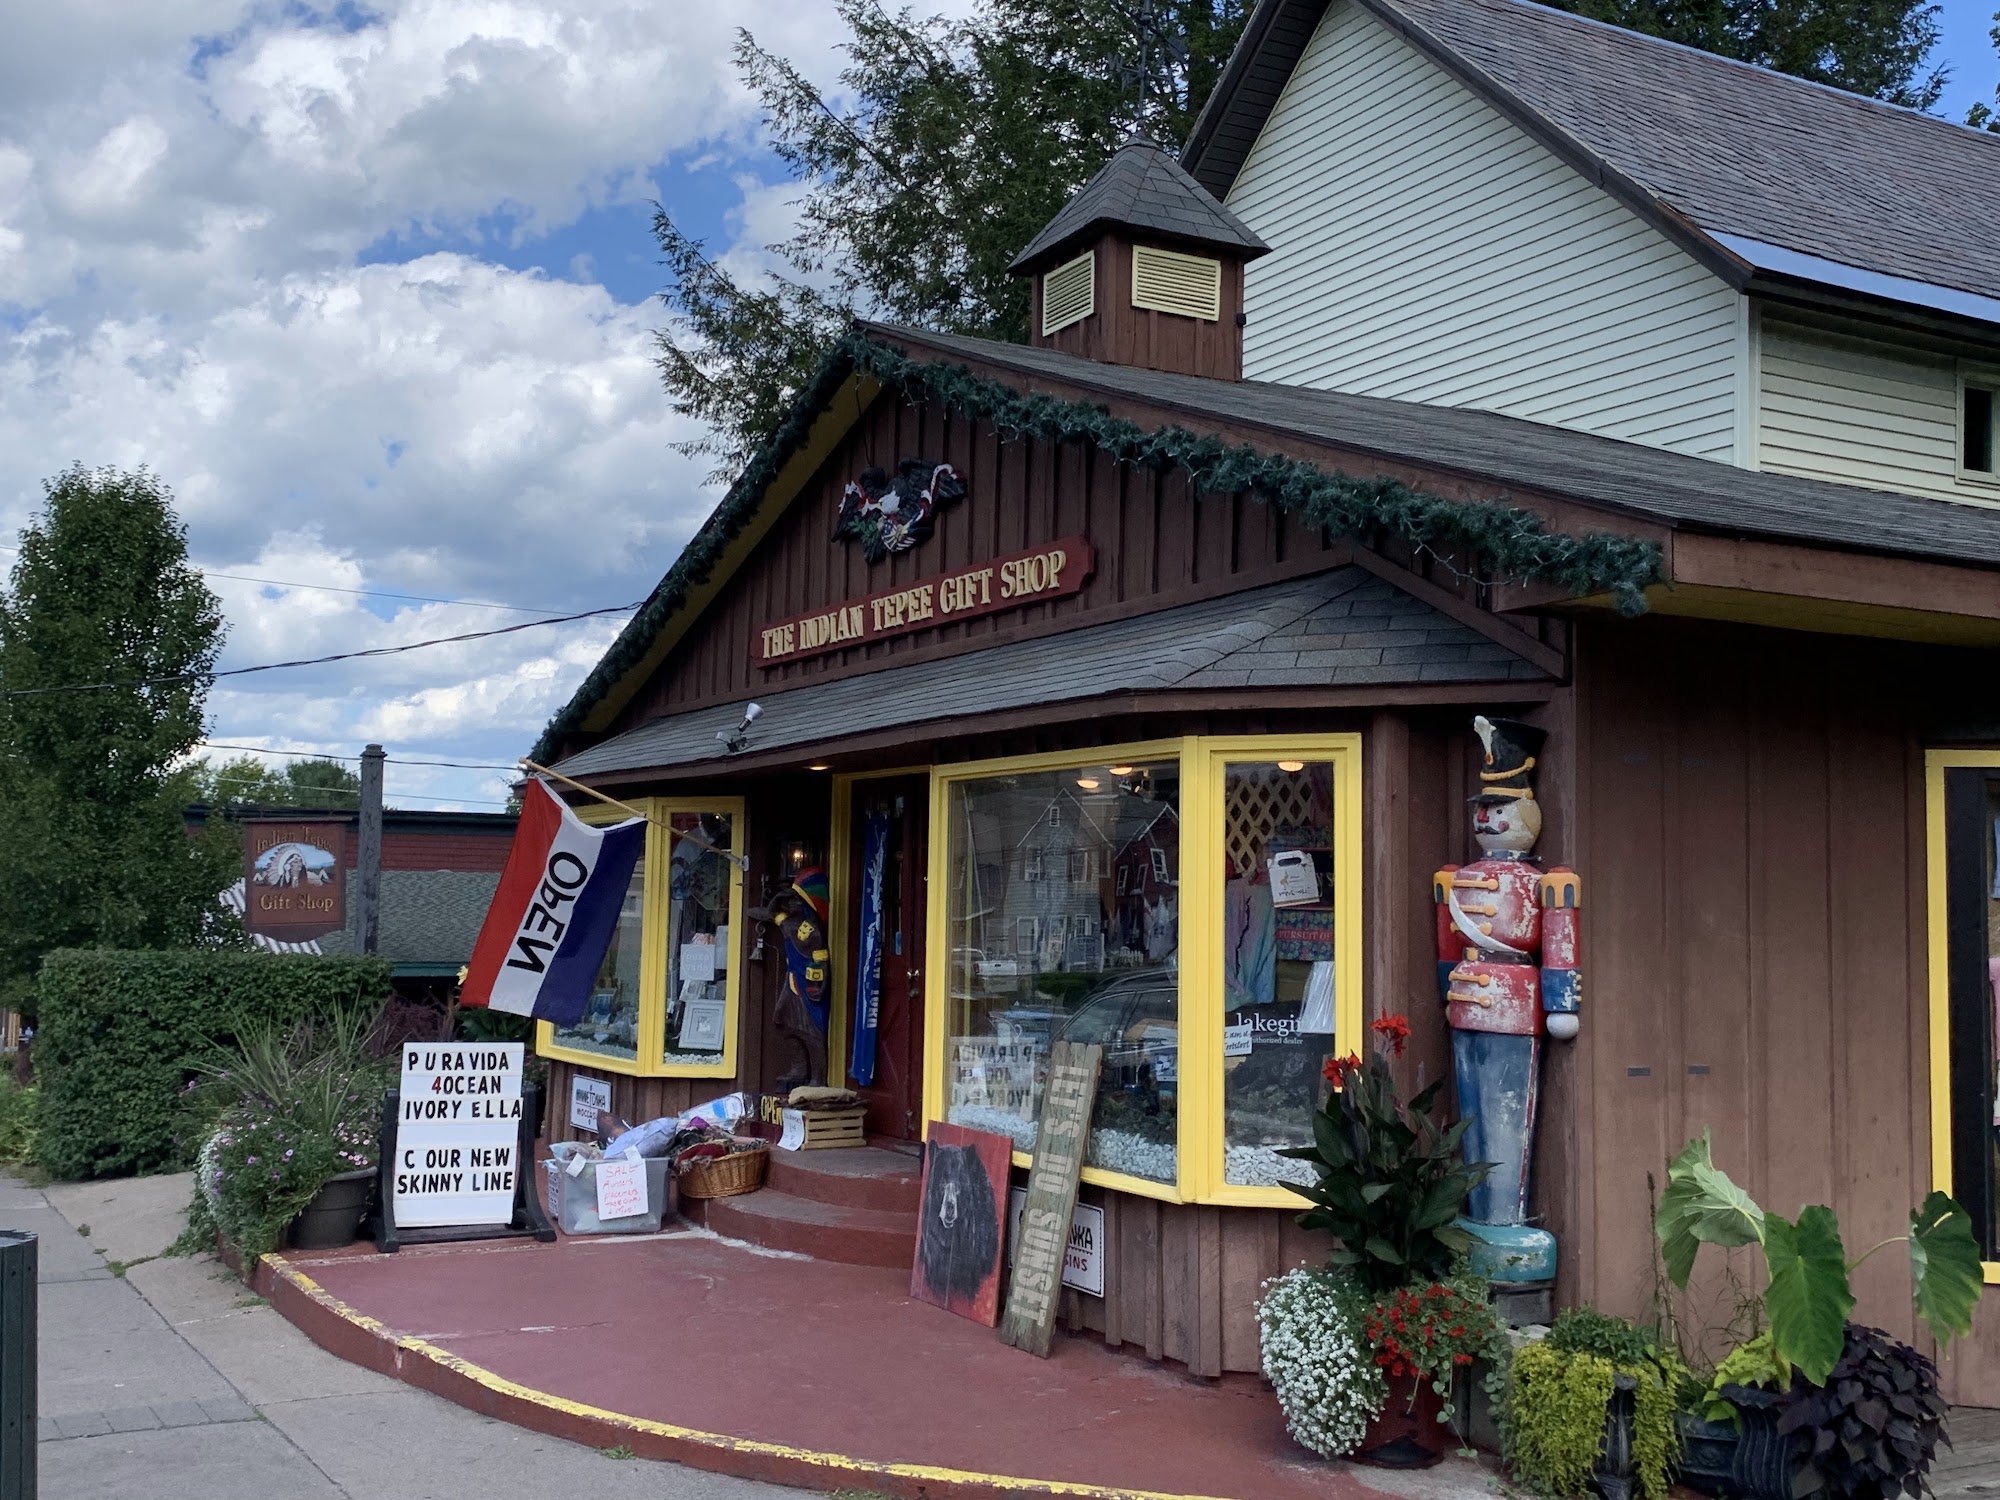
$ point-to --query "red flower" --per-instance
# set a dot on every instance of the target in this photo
(1337, 1069)
(1396, 1029)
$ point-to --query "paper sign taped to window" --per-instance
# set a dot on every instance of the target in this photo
(1237, 1040)
(697, 961)
(621, 1187)
(1294, 881)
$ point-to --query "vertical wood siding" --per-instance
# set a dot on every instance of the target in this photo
(1856, 410)
(1155, 539)
(1426, 249)
(1750, 806)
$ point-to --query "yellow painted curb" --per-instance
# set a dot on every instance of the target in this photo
(835, 1464)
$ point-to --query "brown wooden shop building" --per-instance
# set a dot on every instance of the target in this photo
(1169, 622)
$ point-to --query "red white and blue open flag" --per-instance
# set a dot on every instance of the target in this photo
(552, 919)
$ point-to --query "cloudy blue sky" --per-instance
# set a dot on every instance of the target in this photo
(369, 285)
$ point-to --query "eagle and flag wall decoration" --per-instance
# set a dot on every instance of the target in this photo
(894, 512)
(553, 916)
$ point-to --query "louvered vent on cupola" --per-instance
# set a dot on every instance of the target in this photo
(1069, 292)
(1185, 311)
(1169, 282)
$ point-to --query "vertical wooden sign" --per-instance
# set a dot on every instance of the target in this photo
(1035, 1288)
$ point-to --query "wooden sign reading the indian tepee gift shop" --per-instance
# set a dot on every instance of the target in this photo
(1035, 1288)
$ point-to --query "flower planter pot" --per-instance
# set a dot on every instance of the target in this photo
(333, 1218)
(1753, 1463)
(1612, 1478)
(1406, 1432)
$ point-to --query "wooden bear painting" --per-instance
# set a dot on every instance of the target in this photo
(961, 1235)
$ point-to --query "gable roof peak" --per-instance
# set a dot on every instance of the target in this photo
(1142, 189)
(1748, 167)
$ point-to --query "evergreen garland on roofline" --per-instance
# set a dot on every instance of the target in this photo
(1505, 542)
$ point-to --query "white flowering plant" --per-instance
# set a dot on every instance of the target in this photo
(285, 1113)
(1311, 1328)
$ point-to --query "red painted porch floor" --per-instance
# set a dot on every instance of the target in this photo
(801, 1371)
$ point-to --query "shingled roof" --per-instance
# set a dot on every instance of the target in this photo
(1337, 629)
(1142, 188)
(1764, 171)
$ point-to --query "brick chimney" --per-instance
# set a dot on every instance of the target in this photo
(1142, 267)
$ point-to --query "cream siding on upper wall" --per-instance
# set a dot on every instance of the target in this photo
(1836, 404)
(1425, 248)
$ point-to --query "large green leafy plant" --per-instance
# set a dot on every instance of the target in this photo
(1808, 1295)
(1390, 1181)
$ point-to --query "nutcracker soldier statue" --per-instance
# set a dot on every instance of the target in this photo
(1507, 970)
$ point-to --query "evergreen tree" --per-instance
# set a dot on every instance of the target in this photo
(107, 636)
(1873, 47)
(963, 139)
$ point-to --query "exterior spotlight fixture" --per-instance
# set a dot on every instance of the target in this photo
(1293, 766)
(735, 739)
(1088, 783)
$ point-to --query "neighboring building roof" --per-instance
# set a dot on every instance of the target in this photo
(1339, 628)
(1141, 188)
(428, 922)
(1652, 483)
(1746, 161)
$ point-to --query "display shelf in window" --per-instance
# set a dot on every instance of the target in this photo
(1044, 942)
(666, 1003)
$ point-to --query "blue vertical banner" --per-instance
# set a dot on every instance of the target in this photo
(868, 965)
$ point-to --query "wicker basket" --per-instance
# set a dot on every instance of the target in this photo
(724, 1176)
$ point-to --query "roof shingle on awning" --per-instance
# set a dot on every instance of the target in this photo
(1344, 628)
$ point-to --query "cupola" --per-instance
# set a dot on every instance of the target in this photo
(1142, 267)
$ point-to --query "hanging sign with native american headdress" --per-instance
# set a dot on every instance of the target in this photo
(894, 512)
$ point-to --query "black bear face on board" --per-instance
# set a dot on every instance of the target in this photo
(960, 1239)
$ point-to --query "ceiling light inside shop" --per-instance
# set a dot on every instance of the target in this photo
(1291, 765)
(1119, 770)
(1088, 783)
(821, 767)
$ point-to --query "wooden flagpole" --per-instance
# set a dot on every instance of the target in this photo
(742, 862)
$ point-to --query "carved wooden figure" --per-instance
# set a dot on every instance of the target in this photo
(1508, 972)
(800, 914)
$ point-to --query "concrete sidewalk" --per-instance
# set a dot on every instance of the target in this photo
(164, 1378)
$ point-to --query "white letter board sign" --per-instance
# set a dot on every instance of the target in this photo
(458, 1133)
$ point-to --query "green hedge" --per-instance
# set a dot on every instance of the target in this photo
(118, 1032)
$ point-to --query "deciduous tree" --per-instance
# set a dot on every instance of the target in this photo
(107, 637)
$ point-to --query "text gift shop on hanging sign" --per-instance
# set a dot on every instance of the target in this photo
(458, 1132)
(1052, 571)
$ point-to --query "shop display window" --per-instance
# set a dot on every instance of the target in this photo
(1965, 978)
(610, 1026)
(665, 1001)
(1279, 969)
(1062, 916)
(698, 956)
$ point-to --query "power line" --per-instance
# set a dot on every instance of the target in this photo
(331, 588)
(394, 760)
(313, 661)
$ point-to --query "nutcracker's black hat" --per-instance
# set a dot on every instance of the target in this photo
(1508, 774)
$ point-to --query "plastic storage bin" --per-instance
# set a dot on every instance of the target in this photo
(572, 1201)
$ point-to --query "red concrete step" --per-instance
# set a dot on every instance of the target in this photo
(851, 1177)
(825, 1231)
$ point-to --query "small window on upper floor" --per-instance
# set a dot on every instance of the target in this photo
(1977, 445)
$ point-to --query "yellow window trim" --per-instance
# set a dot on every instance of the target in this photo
(655, 920)
(1936, 763)
(1202, 760)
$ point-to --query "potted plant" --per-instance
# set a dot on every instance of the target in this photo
(1818, 1406)
(289, 1156)
(1593, 1405)
(1389, 1185)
